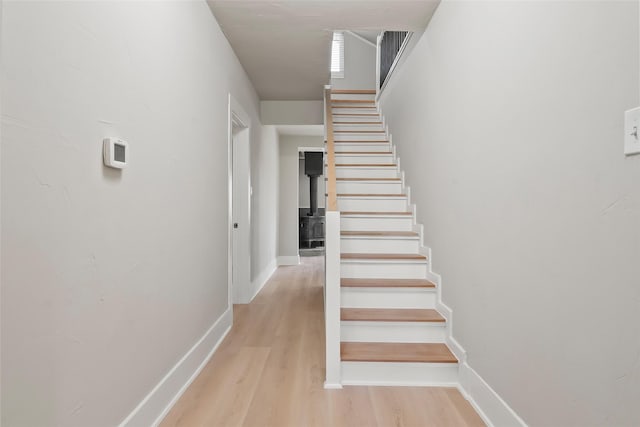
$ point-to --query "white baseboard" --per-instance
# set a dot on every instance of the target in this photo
(492, 409)
(262, 279)
(289, 260)
(157, 404)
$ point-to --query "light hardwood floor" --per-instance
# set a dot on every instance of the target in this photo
(269, 371)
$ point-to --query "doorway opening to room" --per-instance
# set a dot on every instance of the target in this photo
(311, 201)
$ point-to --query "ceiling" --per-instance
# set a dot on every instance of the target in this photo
(284, 46)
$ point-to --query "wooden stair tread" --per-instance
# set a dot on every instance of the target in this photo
(380, 233)
(368, 179)
(348, 213)
(356, 123)
(367, 195)
(355, 107)
(353, 101)
(367, 153)
(396, 352)
(356, 114)
(353, 91)
(391, 315)
(386, 283)
(359, 131)
(384, 257)
(353, 165)
(363, 141)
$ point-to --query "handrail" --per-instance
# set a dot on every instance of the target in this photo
(332, 202)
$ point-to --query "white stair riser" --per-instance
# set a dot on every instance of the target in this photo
(342, 136)
(378, 246)
(384, 204)
(366, 172)
(356, 223)
(412, 332)
(400, 374)
(363, 158)
(395, 270)
(360, 187)
(358, 127)
(345, 120)
(362, 146)
(388, 297)
(350, 109)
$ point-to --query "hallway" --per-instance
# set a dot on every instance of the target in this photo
(269, 371)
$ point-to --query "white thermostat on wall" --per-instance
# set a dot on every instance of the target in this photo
(115, 152)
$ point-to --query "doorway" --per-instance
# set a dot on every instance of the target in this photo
(239, 205)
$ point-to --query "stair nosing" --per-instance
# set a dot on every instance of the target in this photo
(386, 283)
(393, 315)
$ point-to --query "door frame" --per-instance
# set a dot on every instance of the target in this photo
(237, 117)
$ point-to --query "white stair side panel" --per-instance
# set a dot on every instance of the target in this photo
(388, 297)
(365, 187)
(374, 331)
(363, 146)
(364, 158)
(366, 172)
(372, 204)
(376, 222)
(400, 374)
(349, 244)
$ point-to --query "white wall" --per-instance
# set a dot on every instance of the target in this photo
(359, 65)
(508, 118)
(292, 112)
(288, 201)
(109, 278)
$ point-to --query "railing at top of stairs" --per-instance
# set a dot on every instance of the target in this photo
(332, 257)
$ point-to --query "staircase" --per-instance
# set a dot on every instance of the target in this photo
(390, 332)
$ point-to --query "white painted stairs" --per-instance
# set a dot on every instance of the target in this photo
(391, 332)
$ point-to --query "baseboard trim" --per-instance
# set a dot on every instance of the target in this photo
(332, 386)
(492, 409)
(262, 279)
(289, 260)
(157, 404)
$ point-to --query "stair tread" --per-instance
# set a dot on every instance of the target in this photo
(366, 153)
(360, 131)
(355, 107)
(368, 195)
(353, 101)
(353, 91)
(349, 213)
(357, 123)
(356, 114)
(396, 352)
(384, 257)
(369, 179)
(368, 165)
(391, 315)
(362, 141)
(386, 283)
(380, 233)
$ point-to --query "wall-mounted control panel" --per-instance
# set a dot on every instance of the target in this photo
(115, 152)
(632, 131)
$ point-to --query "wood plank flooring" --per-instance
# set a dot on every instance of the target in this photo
(269, 371)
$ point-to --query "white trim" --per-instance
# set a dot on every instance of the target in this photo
(393, 66)
(236, 115)
(289, 260)
(488, 404)
(258, 283)
(332, 386)
(157, 404)
(362, 39)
